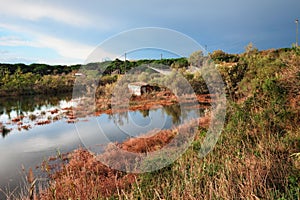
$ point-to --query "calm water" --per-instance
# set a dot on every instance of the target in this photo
(29, 148)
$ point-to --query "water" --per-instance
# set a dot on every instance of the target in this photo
(29, 148)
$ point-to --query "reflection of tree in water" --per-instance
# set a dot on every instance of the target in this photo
(119, 118)
(145, 113)
(24, 104)
(174, 111)
(4, 131)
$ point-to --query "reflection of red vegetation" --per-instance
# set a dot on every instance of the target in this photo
(71, 121)
(67, 108)
(71, 116)
(26, 127)
(54, 111)
(17, 119)
(43, 122)
(163, 98)
(55, 118)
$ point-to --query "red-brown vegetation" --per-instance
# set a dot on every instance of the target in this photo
(85, 178)
(148, 144)
(17, 119)
(54, 111)
(43, 122)
(26, 127)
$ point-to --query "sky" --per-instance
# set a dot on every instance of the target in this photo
(67, 32)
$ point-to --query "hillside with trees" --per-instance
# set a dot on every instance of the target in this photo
(21, 79)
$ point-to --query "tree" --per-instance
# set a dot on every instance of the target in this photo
(196, 58)
(219, 56)
(179, 64)
(250, 48)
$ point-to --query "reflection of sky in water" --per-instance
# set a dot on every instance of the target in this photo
(118, 127)
(30, 148)
(6, 117)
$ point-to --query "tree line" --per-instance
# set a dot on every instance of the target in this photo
(20, 79)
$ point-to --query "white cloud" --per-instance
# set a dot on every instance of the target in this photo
(68, 49)
(4, 52)
(71, 52)
(33, 10)
(16, 41)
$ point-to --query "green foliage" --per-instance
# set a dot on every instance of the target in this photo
(180, 63)
(296, 50)
(42, 69)
(220, 56)
(29, 83)
(18, 79)
(107, 79)
(199, 85)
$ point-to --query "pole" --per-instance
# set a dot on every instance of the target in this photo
(297, 22)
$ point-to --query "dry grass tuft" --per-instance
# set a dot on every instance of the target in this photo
(83, 177)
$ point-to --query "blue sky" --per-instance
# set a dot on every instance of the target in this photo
(66, 32)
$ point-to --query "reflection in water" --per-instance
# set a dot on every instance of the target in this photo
(119, 118)
(3, 130)
(23, 112)
(174, 111)
(24, 104)
(145, 113)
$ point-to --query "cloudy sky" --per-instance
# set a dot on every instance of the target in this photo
(65, 31)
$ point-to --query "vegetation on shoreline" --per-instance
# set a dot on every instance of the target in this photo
(257, 154)
(21, 79)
